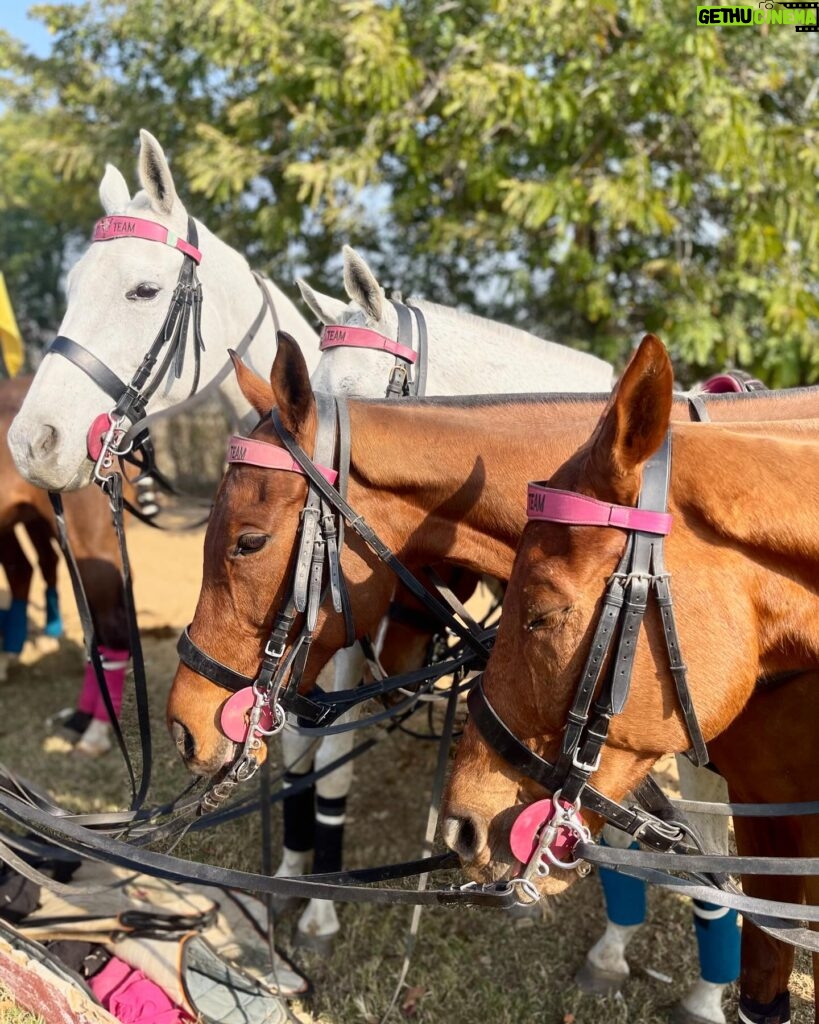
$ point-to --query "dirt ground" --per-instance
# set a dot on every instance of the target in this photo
(469, 965)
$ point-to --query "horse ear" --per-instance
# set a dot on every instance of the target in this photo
(326, 309)
(155, 174)
(636, 420)
(290, 384)
(114, 194)
(361, 284)
(255, 388)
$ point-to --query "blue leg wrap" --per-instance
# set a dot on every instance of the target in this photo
(15, 628)
(717, 941)
(54, 622)
(625, 897)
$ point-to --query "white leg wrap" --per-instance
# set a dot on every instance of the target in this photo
(319, 918)
(609, 952)
(294, 862)
(705, 1000)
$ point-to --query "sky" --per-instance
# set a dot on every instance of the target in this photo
(14, 19)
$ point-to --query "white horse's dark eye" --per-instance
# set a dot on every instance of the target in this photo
(143, 291)
(250, 543)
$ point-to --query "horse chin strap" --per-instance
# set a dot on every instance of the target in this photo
(613, 647)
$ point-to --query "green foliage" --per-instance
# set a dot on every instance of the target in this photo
(587, 169)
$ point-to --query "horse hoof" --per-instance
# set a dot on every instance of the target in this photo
(680, 1014)
(595, 981)
(313, 942)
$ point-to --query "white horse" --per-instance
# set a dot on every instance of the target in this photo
(466, 355)
(118, 294)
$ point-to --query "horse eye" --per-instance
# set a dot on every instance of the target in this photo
(250, 543)
(553, 619)
(143, 291)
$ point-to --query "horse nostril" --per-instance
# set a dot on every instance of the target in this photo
(183, 740)
(464, 835)
(44, 441)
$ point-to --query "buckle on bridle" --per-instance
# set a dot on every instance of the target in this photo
(108, 449)
(274, 652)
(589, 768)
(398, 381)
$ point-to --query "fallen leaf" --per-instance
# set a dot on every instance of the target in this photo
(413, 995)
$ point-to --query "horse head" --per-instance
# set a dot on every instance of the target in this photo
(550, 615)
(355, 371)
(121, 294)
(251, 545)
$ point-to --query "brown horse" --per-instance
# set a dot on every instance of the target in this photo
(744, 561)
(442, 480)
(89, 527)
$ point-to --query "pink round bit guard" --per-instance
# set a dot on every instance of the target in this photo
(235, 711)
(531, 820)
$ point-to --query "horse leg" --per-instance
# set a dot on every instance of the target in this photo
(318, 925)
(298, 812)
(775, 736)
(716, 928)
(605, 968)
(766, 963)
(15, 621)
(41, 535)
(95, 546)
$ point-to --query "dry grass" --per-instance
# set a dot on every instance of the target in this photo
(469, 965)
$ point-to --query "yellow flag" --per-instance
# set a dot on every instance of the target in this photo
(10, 341)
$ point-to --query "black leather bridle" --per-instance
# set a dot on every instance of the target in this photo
(182, 320)
(317, 572)
(608, 671)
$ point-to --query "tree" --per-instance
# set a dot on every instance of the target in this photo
(589, 170)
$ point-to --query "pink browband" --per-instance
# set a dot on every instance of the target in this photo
(136, 227)
(268, 456)
(362, 337)
(553, 506)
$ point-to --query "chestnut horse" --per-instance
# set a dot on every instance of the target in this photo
(442, 480)
(88, 519)
(743, 559)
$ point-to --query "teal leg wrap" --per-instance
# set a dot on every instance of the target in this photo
(15, 628)
(717, 941)
(625, 897)
(54, 622)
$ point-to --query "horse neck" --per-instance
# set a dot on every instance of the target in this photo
(447, 481)
(469, 354)
(752, 491)
(231, 301)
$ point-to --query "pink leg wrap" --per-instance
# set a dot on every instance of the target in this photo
(114, 665)
(89, 692)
